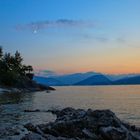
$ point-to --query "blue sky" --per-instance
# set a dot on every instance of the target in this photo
(73, 35)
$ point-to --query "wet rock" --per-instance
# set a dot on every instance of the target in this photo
(90, 134)
(33, 136)
(133, 135)
(112, 133)
(104, 118)
(50, 137)
(12, 132)
(30, 127)
(78, 124)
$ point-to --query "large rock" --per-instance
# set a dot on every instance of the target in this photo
(72, 124)
(33, 136)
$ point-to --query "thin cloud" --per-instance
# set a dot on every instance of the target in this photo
(121, 40)
(60, 23)
(101, 39)
(98, 38)
(46, 73)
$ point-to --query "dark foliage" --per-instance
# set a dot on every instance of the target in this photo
(12, 71)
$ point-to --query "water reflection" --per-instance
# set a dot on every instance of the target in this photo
(14, 98)
(123, 100)
(12, 106)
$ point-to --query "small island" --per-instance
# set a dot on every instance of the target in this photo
(15, 76)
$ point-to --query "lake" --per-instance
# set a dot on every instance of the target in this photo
(123, 100)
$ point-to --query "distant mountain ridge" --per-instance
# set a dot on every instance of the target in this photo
(71, 79)
(89, 78)
(128, 81)
(95, 80)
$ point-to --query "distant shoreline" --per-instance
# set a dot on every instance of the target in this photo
(39, 87)
(86, 80)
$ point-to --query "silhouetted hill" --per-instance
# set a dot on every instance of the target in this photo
(71, 79)
(95, 80)
(116, 77)
(88, 78)
(47, 81)
(128, 81)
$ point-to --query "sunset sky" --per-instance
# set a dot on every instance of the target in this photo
(68, 36)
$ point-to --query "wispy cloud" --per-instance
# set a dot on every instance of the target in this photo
(101, 39)
(120, 40)
(60, 23)
(46, 73)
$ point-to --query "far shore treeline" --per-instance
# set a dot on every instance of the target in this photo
(13, 72)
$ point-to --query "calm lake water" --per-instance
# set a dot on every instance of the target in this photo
(123, 100)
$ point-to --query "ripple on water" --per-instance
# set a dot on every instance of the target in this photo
(123, 100)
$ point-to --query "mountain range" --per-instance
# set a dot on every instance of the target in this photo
(95, 80)
(88, 78)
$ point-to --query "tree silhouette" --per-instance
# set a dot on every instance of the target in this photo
(29, 69)
(12, 69)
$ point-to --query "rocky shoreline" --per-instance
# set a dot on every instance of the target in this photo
(79, 124)
(37, 87)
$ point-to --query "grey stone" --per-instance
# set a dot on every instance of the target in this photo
(33, 136)
(78, 124)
